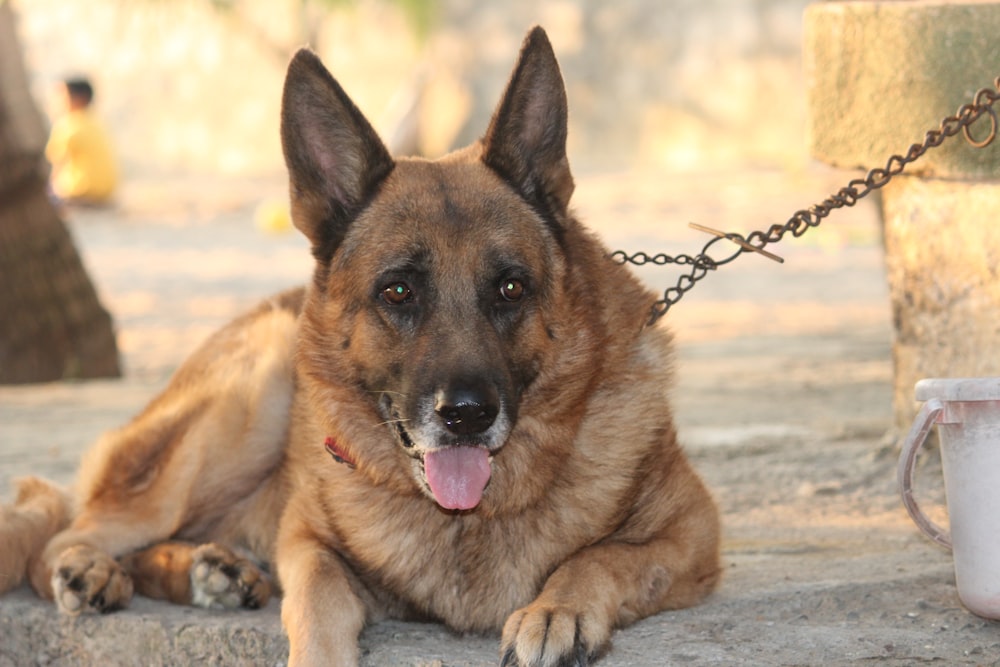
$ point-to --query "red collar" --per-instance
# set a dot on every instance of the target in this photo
(338, 454)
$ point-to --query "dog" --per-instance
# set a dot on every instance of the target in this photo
(463, 417)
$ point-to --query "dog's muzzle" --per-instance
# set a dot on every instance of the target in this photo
(452, 441)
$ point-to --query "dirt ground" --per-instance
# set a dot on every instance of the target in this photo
(783, 400)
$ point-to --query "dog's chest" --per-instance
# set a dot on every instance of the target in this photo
(467, 571)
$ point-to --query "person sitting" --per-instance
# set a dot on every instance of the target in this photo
(79, 149)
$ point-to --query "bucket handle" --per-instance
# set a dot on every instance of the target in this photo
(922, 425)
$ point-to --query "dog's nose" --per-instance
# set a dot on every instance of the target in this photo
(467, 408)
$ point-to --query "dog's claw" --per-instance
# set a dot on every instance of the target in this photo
(508, 659)
(579, 658)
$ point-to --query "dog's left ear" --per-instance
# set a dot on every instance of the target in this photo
(335, 159)
(526, 140)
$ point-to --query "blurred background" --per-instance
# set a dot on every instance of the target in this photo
(193, 86)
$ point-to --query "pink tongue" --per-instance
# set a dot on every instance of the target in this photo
(457, 476)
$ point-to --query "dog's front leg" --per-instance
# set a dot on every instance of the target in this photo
(605, 586)
(320, 611)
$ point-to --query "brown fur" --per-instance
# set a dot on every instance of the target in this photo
(40, 509)
(457, 306)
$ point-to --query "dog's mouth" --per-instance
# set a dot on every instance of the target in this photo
(404, 437)
(455, 476)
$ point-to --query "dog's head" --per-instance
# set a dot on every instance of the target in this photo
(433, 307)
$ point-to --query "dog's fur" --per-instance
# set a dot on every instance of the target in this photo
(504, 456)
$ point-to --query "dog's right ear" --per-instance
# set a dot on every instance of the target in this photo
(334, 157)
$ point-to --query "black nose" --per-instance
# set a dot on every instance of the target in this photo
(467, 408)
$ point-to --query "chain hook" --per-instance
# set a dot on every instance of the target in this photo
(983, 143)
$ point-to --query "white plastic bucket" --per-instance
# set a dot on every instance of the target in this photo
(967, 414)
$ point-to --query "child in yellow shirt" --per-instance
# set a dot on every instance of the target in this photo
(79, 149)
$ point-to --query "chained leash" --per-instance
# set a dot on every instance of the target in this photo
(849, 195)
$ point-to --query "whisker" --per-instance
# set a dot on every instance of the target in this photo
(386, 391)
(393, 421)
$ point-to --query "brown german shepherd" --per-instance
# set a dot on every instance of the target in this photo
(503, 457)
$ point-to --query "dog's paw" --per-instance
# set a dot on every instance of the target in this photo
(222, 580)
(89, 581)
(552, 636)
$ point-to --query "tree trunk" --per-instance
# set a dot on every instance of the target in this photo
(52, 326)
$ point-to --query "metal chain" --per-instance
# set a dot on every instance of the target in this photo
(849, 195)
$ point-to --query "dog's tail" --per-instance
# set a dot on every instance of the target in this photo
(40, 511)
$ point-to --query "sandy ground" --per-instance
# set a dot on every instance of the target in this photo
(783, 400)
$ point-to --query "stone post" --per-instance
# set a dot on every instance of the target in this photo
(879, 75)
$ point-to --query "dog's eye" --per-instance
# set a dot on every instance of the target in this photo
(511, 290)
(397, 294)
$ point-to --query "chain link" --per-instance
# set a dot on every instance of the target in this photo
(801, 221)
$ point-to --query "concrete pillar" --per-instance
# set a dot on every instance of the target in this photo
(879, 76)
